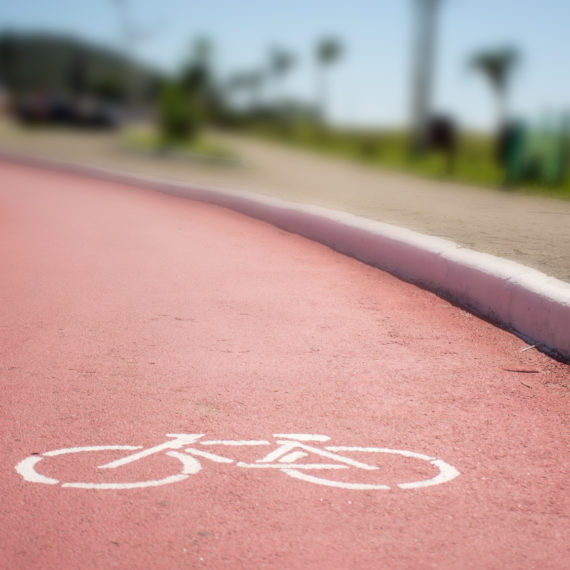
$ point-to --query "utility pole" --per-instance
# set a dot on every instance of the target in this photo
(132, 36)
(425, 13)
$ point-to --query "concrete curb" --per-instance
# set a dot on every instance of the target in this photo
(518, 298)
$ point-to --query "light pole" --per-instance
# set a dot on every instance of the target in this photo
(132, 36)
(425, 13)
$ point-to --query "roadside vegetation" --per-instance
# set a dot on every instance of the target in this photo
(474, 161)
(198, 148)
(82, 86)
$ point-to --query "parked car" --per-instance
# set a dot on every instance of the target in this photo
(58, 110)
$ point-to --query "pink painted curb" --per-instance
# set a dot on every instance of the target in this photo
(521, 299)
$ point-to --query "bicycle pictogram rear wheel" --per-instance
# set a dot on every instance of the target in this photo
(27, 468)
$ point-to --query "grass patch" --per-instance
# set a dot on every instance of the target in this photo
(199, 148)
(474, 161)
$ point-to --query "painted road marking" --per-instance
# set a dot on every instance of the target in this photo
(286, 457)
(235, 442)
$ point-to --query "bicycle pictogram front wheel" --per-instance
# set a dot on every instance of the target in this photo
(387, 469)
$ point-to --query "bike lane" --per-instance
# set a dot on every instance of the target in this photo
(129, 315)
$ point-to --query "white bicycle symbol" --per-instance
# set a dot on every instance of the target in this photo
(291, 448)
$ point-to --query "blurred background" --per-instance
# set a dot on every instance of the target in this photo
(471, 90)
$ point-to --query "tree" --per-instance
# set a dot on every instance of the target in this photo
(8, 61)
(280, 63)
(79, 73)
(196, 72)
(327, 51)
(425, 12)
(236, 81)
(254, 82)
(110, 87)
(197, 79)
(202, 51)
(177, 117)
(497, 66)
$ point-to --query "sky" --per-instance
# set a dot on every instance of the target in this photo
(370, 84)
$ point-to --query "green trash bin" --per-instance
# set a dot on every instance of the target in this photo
(537, 155)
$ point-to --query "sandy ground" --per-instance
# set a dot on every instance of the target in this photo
(529, 229)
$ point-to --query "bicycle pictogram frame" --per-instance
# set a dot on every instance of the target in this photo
(287, 457)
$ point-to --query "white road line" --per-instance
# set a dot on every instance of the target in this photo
(292, 465)
(402, 452)
(90, 448)
(235, 442)
(293, 456)
(210, 456)
(26, 469)
(303, 436)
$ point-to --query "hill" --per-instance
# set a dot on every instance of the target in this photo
(62, 64)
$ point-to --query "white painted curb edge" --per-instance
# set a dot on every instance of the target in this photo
(521, 299)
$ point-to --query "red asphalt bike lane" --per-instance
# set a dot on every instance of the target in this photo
(128, 315)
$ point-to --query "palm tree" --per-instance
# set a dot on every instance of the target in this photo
(246, 81)
(497, 65)
(236, 81)
(280, 63)
(425, 36)
(254, 82)
(328, 50)
(197, 78)
(202, 50)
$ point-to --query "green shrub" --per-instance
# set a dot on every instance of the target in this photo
(178, 120)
